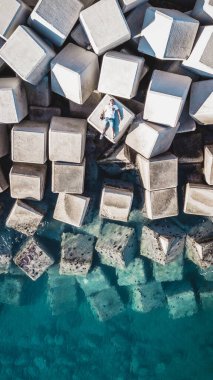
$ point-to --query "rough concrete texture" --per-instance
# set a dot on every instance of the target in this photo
(120, 127)
(3, 182)
(76, 254)
(24, 218)
(116, 203)
(206, 295)
(201, 102)
(10, 290)
(181, 300)
(39, 95)
(68, 177)
(166, 96)
(152, 171)
(161, 203)
(79, 36)
(12, 15)
(43, 114)
(147, 297)
(199, 244)
(135, 22)
(29, 142)
(4, 141)
(106, 304)
(5, 262)
(128, 5)
(67, 137)
(208, 164)
(54, 19)
(178, 32)
(120, 74)
(187, 123)
(203, 12)
(71, 209)
(133, 274)
(188, 148)
(103, 32)
(27, 181)
(172, 271)
(13, 101)
(116, 245)
(77, 66)
(198, 199)
(94, 282)
(27, 54)
(84, 110)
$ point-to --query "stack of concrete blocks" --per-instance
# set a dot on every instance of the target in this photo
(172, 271)
(208, 164)
(203, 12)
(106, 304)
(13, 101)
(116, 245)
(71, 209)
(199, 243)
(178, 34)
(12, 14)
(116, 202)
(95, 281)
(43, 114)
(39, 95)
(146, 297)
(198, 199)
(10, 290)
(135, 22)
(181, 300)
(77, 66)
(133, 274)
(206, 295)
(201, 102)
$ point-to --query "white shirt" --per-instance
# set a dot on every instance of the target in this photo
(109, 111)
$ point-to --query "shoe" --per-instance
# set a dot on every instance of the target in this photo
(101, 136)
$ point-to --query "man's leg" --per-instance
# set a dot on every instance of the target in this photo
(105, 128)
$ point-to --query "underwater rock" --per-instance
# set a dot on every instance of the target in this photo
(133, 274)
(181, 300)
(106, 304)
(146, 297)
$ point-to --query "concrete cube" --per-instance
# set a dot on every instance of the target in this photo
(188, 148)
(103, 32)
(5, 262)
(181, 300)
(29, 142)
(94, 282)
(12, 15)
(13, 101)
(79, 36)
(206, 295)
(187, 123)
(119, 127)
(133, 274)
(172, 271)
(43, 114)
(4, 141)
(127, 5)
(135, 22)
(208, 164)
(67, 137)
(147, 297)
(166, 96)
(116, 203)
(178, 32)
(3, 182)
(54, 19)
(198, 199)
(203, 12)
(84, 110)
(116, 245)
(152, 172)
(161, 203)
(24, 218)
(68, 178)
(27, 181)
(39, 95)
(27, 54)
(106, 304)
(10, 290)
(201, 102)
(199, 243)
(71, 209)
(120, 74)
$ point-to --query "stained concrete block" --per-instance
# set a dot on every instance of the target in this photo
(32, 259)
(116, 203)
(27, 54)
(208, 164)
(12, 15)
(133, 274)
(178, 32)
(4, 141)
(24, 218)
(43, 114)
(172, 271)
(54, 19)
(188, 148)
(3, 182)
(10, 290)
(76, 254)
(181, 300)
(79, 37)
(68, 178)
(120, 127)
(106, 304)
(39, 95)
(103, 32)
(201, 102)
(206, 295)
(199, 243)
(94, 282)
(161, 203)
(27, 181)
(203, 12)
(187, 123)
(71, 209)
(29, 142)
(198, 199)
(116, 245)
(5, 262)
(166, 96)
(13, 101)
(147, 297)
(128, 5)
(152, 171)
(84, 110)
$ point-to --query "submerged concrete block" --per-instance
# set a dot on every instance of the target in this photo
(103, 33)
(206, 295)
(172, 271)
(4, 141)
(188, 148)
(127, 5)
(199, 244)
(208, 164)
(161, 203)
(106, 304)
(181, 300)
(147, 297)
(68, 178)
(27, 54)
(71, 209)
(13, 101)
(116, 203)
(5, 262)
(201, 102)
(3, 182)
(12, 14)
(133, 274)
(10, 290)
(43, 114)
(198, 199)
(77, 66)
(203, 12)
(135, 22)
(94, 282)
(39, 95)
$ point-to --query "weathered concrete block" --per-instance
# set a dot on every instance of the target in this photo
(27, 181)
(106, 304)
(187, 123)
(208, 164)
(199, 243)
(198, 199)
(55, 19)
(68, 178)
(27, 54)
(116, 203)
(10, 290)
(84, 110)
(5, 262)
(119, 126)
(116, 245)
(166, 96)
(77, 66)
(76, 254)
(120, 74)
(103, 33)
(43, 114)
(172, 271)
(127, 5)
(3, 182)
(39, 95)
(206, 295)
(71, 209)
(4, 141)
(161, 203)
(133, 274)
(188, 148)
(152, 172)
(181, 300)
(135, 22)
(79, 37)
(147, 297)
(178, 32)
(67, 137)
(201, 102)
(94, 282)
(24, 218)
(203, 12)
(12, 15)
(13, 101)
(29, 142)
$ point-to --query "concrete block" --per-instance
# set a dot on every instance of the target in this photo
(3, 182)
(166, 96)
(84, 110)
(120, 74)
(106, 304)
(94, 282)
(116, 203)
(10, 290)
(27, 54)
(11, 16)
(77, 66)
(4, 141)
(2, 63)
(5, 262)
(201, 102)
(68, 178)
(119, 126)
(188, 148)
(161, 203)
(198, 199)
(39, 95)
(29, 142)
(27, 181)
(147, 297)
(206, 295)
(80, 38)
(178, 32)
(76, 254)
(71, 209)
(32, 259)
(181, 300)
(116, 245)
(203, 12)
(128, 5)
(176, 67)
(13, 101)
(43, 114)
(31, 3)
(103, 33)
(133, 274)
(199, 244)
(208, 164)
(135, 22)
(24, 218)
(152, 171)
(54, 19)
(187, 123)
(67, 138)
(172, 271)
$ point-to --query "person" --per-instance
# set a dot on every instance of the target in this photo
(108, 115)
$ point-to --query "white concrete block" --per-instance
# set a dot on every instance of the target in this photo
(135, 22)
(39, 95)
(68, 177)
(147, 297)
(203, 12)
(172, 271)
(77, 66)
(127, 5)
(199, 244)
(43, 114)
(106, 304)
(99, 24)
(13, 101)
(12, 14)
(71, 209)
(166, 96)
(198, 199)
(161, 203)
(27, 54)
(208, 164)
(116, 203)
(133, 274)
(201, 102)
(4, 141)
(181, 300)
(94, 282)
(178, 32)
(3, 183)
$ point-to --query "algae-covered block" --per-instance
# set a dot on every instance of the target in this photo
(116, 203)
(161, 203)
(116, 245)
(133, 274)
(76, 254)
(10, 290)
(203, 11)
(39, 95)
(71, 209)
(5, 262)
(206, 295)
(68, 178)
(3, 182)
(106, 304)
(127, 5)
(181, 300)
(147, 297)
(13, 101)
(94, 282)
(198, 199)
(201, 102)
(208, 164)
(199, 244)
(172, 271)
(12, 14)
(4, 141)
